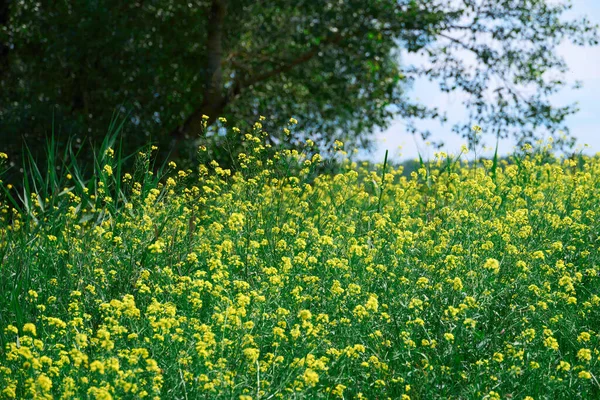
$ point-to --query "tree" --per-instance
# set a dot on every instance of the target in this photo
(3, 46)
(334, 65)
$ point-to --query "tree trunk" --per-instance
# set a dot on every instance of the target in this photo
(213, 99)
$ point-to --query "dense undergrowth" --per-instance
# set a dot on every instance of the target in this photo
(273, 282)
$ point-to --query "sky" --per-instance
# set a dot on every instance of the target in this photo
(584, 64)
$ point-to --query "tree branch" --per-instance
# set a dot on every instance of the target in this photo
(461, 44)
(212, 96)
(214, 102)
(239, 85)
(297, 61)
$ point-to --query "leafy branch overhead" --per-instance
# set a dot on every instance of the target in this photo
(335, 66)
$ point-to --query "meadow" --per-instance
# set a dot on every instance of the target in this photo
(273, 281)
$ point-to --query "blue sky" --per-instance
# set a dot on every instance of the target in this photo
(584, 64)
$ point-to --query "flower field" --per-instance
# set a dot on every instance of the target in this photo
(274, 281)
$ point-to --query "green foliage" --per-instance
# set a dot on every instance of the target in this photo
(333, 65)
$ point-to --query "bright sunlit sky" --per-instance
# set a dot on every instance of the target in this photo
(584, 64)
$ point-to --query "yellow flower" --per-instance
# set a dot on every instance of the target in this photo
(493, 396)
(470, 323)
(449, 337)
(44, 382)
(372, 304)
(251, 354)
(11, 328)
(339, 390)
(97, 366)
(538, 255)
(422, 281)
(102, 393)
(29, 327)
(583, 337)
(236, 221)
(10, 391)
(493, 265)
(563, 366)
(585, 375)
(498, 357)
(551, 343)
(156, 247)
(311, 377)
(305, 314)
(534, 365)
(457, 284)
(584, 354)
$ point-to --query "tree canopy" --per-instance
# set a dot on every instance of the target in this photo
(333, 65)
